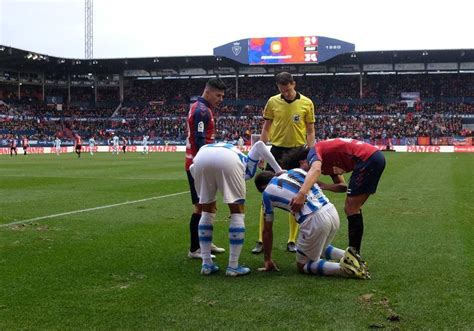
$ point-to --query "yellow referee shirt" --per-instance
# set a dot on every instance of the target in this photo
(289, 119)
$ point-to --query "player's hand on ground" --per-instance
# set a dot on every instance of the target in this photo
(297, 202)
(269, 266)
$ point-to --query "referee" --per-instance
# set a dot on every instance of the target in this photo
(289, 123)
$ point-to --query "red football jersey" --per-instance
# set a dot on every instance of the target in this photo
(340, 154)
(200, 127)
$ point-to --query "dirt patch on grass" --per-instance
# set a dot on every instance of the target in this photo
(381, 306)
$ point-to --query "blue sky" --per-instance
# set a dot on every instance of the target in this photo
(142, 28)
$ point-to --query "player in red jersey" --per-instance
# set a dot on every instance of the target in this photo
(334, 157)
(78, 145)
(201, 131)
(13, 148)
(25, 144)
(124, 144)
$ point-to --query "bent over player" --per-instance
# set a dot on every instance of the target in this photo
(334, 157)
(223, 167)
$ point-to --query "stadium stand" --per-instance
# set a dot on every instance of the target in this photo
(381, 107)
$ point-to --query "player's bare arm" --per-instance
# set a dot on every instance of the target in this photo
(310, 134)
(311, 178)
(269, 265)
(339, 184)
(266, 131)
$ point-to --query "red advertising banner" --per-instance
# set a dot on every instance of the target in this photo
(423, 140)
(464, 149)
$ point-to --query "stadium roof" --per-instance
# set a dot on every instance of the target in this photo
(27, 61)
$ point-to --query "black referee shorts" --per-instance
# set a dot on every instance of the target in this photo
(279, 153)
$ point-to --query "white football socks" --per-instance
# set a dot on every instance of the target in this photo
(205, 229)
(236, 238)
(323, 268)
(332, 253)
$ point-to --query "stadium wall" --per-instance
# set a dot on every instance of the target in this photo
(174, 148)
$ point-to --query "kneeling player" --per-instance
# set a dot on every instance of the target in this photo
(223, 167)
(318, 221)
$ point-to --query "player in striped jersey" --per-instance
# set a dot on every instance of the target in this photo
(319, 222)
(223, 167)
(91, 145)
(115, 145)
(57, 145)
(145, 144)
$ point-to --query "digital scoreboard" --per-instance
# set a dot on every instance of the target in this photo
(284, 50)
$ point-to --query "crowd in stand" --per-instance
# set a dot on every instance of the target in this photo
(158, 108)
(230, 128)
(322, 88)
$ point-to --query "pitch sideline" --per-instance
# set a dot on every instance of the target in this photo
(90, 209)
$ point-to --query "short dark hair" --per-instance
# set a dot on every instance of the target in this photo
(217, 84)
(284, 78)
(262, 180)
(292, 159)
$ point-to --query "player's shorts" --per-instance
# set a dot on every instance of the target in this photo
(192, 189)
(219, 169)
(316, 233)
(78, 147)
(279, 153)
(366, 175)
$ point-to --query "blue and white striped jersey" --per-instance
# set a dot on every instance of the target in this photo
(283, 188)
(250, 165)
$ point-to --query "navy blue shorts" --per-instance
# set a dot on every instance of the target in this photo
(194, 196)
(366, 175)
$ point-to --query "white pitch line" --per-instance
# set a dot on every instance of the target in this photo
(90, 209)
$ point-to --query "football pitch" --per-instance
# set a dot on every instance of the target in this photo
(101, 243)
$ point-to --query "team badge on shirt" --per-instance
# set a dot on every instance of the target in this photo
(201, 126)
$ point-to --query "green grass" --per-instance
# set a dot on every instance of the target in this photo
(126, 267)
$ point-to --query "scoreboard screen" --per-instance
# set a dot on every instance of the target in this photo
(283, 50)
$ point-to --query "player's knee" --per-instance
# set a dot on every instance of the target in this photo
(351, 207)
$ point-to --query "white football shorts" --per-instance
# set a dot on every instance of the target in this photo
(316, 233)
(218, 169)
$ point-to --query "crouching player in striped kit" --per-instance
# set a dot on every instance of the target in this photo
(318, 221)
(223, 167)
